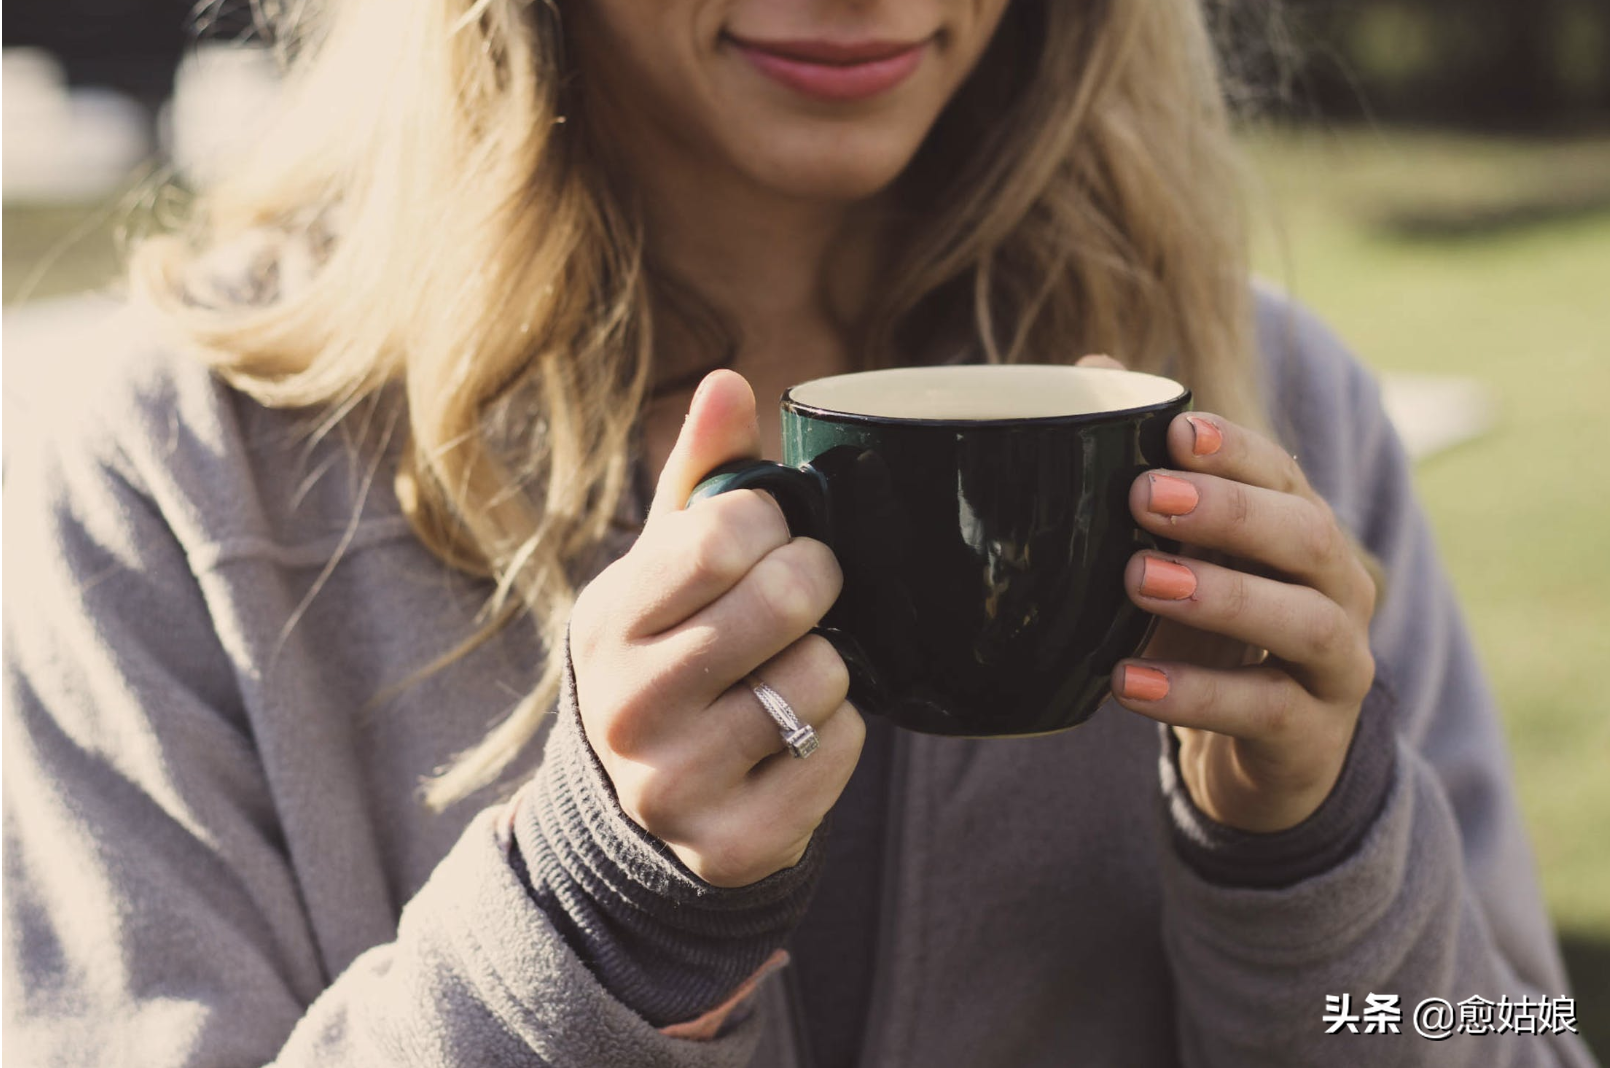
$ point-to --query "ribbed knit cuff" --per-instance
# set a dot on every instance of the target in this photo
(660, 939)
(1232, 857)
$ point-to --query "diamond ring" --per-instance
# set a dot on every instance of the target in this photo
(799, 737)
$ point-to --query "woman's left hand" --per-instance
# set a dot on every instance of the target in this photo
(1262, 737)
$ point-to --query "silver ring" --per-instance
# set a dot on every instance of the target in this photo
(799, 737)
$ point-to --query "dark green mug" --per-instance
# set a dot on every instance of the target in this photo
(980, 515)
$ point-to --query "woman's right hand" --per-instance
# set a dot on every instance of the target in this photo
(661, 641)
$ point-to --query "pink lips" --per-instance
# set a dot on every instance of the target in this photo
(835, 70)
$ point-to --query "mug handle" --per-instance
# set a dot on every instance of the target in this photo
(801, 492)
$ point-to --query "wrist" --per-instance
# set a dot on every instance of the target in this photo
(1226, 781)
(1228, 855)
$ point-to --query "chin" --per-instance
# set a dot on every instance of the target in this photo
(842, 166)
(825, 181)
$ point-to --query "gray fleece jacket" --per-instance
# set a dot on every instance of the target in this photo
(215, 852)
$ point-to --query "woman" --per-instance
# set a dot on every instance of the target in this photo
(460, 297)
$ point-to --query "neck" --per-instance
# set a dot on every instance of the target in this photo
(766, 262)
(788, 276)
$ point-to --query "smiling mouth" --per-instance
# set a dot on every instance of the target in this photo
(838, 71)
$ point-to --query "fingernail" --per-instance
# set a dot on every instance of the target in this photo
(1206, 439)
(1166, 579)
(1143, 683)
(1171, 496)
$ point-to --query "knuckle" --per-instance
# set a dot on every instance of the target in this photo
(826, 666)
(1370, 598)
(1328, 629)
(618, 733)
(1366, 591)
(788, 592)
(717, 553)
(854, 727)
(830, 567)
(823, 567)
(622, 714)
(1296, 479)
(656, 801)
(600, 704)
(786, 595)
(753, 509)
(766, 514)
(1363, 672)
(1323, 540)
(1237, 597)
(1238, 504)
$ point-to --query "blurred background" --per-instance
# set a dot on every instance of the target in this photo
(1433, 176)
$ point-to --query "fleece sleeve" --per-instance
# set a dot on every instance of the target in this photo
(1436, 897)
(151, 914)
(660, 938)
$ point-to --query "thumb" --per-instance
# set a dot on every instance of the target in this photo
(721, 425)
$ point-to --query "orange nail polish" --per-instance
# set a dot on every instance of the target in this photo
(1171, 496)
(1143, 683)
(1166, 579)
(1206, 439)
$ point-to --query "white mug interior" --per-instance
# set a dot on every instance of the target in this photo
(983, 392)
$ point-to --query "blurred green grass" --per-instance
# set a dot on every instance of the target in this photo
(1491, 259)
(55, 249)
(1433, 253)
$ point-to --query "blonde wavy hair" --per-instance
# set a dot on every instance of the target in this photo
(438, 222)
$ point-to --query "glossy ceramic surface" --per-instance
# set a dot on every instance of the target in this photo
(983, 561)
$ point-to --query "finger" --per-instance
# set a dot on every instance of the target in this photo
(1173, 640)
(683, 762)
(1257, 704)
(1313, 635)
(1201, 441)
(809, 675)
(778, 601)
(790, 797)
(1100, 360)
(692, 557)
(765, 824)
(721, 426)
(1293, 536)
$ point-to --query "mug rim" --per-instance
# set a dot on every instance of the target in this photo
(833, 415)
